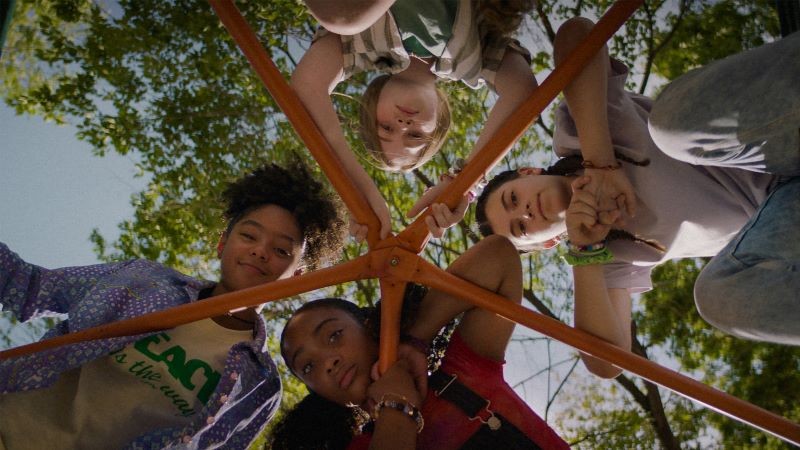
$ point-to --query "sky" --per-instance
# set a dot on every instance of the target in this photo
(54, 191)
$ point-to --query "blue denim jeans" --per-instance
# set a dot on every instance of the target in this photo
(744, 112)
(751, 289)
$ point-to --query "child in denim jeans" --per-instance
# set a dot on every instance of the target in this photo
(627, 206)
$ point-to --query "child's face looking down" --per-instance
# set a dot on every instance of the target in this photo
(406, 116)
(264, 245)
(331, 352)
(530, 209)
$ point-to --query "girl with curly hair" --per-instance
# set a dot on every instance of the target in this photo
(204, 384)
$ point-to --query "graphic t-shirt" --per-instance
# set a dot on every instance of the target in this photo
(159, 381)
(472, 53)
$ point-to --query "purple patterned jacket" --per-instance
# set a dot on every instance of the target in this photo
(246, 397)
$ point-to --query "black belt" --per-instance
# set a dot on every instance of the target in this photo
(497, 431)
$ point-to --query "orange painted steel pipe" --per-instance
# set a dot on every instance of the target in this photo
(495, 149)
(430, 275)
(391, 305)
(297, 114)
(169, 318)
(396, 265)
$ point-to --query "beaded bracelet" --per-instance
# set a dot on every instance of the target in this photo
(400, 403)
(583, 255)
(590, 165)
(591, 248)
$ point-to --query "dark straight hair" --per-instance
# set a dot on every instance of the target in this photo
(567, 166)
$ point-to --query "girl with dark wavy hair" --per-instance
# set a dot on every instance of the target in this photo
(728, 188)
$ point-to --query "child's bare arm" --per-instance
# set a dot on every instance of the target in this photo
(493, 264)
(514, 83)
(586, 96)
(394, 430)
(348, 16)
(605, 313)
(317, 74)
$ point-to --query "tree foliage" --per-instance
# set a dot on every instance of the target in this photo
(763, 374)
(163, 82)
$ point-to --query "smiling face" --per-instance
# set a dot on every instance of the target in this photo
(331, 352)
(265, 245)
(530, 209)
(406, 116)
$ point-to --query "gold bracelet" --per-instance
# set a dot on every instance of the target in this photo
(400, 403)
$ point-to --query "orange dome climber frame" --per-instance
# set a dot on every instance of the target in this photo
(396, 261)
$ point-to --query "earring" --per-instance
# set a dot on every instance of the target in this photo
(361, 417)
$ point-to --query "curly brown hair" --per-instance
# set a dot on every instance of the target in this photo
(319, 213)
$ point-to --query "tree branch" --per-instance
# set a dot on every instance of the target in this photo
(653, 51)
(545, 21)
(537, 303)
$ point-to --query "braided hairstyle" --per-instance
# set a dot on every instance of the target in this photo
(567, 166)
(315, 423)
(318, 423)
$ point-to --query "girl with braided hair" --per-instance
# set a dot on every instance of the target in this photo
(332, 346)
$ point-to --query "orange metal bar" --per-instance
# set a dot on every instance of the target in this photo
(430, 275)
(391, 304)
(397, 262)
(356, 269)
(416, 234)
(297, 114)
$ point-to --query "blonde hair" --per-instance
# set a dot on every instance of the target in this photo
(503, 17)
(368, 130)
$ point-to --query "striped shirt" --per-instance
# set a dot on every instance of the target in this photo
(472, 55)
